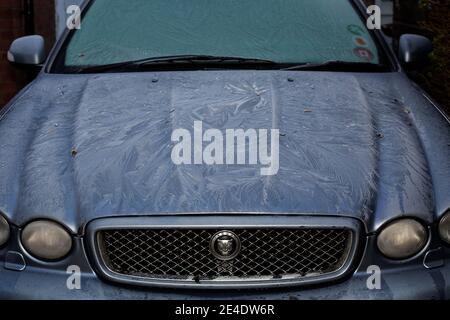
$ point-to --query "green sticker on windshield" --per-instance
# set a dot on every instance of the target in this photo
(356, 30)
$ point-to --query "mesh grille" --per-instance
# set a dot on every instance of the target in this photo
(185, 253)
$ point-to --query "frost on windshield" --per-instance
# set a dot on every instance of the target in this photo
(288, 31)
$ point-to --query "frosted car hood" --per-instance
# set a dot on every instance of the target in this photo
(78, 147)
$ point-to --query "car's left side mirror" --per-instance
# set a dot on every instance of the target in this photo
(29, 50)
(414, 50)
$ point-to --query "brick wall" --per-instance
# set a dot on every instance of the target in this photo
(45, 21)
(12, 26)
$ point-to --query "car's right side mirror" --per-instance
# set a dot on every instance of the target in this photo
(414, 51)
(29, 50)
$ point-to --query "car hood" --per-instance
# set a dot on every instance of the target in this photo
(80, 147)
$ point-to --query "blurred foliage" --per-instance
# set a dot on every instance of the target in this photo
(435, 79)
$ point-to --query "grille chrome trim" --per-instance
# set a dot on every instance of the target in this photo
(221, 222)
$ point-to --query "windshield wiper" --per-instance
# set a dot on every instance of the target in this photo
(207, 60)
(179, 59)
(336, 65)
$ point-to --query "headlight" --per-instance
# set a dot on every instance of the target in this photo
(46, 240)
(402, 239)
(4, 231)
(444, 227)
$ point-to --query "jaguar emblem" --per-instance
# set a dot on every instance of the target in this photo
(225, 245)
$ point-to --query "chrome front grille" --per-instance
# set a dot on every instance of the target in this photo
(144, 254)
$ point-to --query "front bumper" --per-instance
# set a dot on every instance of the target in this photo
(416, 283)
(413, 279)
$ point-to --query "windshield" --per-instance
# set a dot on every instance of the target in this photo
(282, 31)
